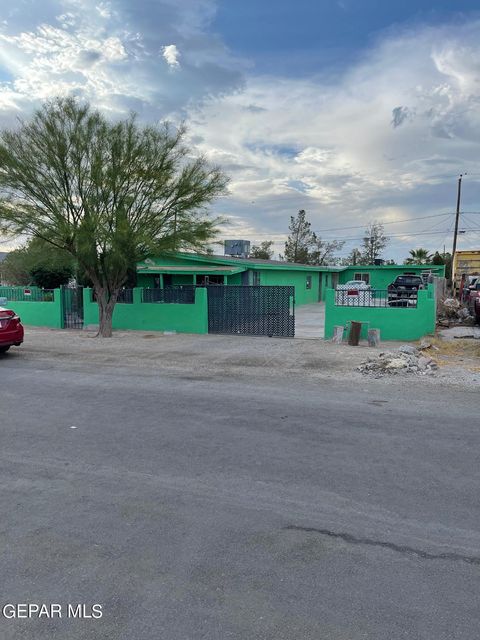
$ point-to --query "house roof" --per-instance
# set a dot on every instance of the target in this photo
(386, 267)
(256, 262)
(213, 262)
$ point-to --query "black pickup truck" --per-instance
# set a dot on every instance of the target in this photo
(404, 287)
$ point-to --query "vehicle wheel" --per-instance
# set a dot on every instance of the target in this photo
(4, 349)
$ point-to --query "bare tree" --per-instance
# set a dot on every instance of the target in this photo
(374, 242)
(322, 252)
(109, 194)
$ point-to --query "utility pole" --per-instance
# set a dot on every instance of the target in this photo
(455, 233)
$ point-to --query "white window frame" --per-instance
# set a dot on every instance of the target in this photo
(362, 276)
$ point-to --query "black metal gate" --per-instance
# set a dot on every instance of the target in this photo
(252, 310)
(72, 303)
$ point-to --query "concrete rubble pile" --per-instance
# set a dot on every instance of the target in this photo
(404, 360)
(450, 312)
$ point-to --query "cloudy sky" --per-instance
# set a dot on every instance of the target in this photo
(354, 110)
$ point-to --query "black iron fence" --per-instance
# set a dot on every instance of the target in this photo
(72, 303)
(375, 298)
(252, 310)
(17, 294)
(181, 294)
(125, 296)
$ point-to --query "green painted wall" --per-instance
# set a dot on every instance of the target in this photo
(297, 279)
(40, 314)
(394, 323)
(183, 318)
(381, 277)
(235, 279)
(145, 280)
(328, 281)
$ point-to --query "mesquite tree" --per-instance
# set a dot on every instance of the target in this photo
(108, 193)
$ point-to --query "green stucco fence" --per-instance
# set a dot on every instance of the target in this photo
(34, 311)
(395, 323)
(153, 316)
(44, 309)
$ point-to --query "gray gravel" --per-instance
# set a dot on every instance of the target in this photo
(209, 355)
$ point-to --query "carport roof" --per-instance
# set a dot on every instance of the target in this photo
(191, 269)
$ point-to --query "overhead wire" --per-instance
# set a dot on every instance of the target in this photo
(362, 226)
(406, 235)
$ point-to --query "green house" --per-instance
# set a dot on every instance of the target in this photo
(310, 282)
(186, 269)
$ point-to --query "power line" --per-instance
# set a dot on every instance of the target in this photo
(362, 226)
(400, 237)
(472, 222)
(434, 226)
(395, 235)
(445, 237)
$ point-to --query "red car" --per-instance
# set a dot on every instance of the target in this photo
(11, 330)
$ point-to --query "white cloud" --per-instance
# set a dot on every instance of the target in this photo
(104, 9)
(108, 53)
(385, 142)
(171, 55)
(386, 139)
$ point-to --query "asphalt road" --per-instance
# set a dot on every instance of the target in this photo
(220, 508)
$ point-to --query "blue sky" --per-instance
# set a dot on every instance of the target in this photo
(305, 36)
(355, 111)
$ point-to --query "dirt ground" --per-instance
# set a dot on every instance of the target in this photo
(210, 356)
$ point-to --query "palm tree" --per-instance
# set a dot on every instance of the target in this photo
(419, 256)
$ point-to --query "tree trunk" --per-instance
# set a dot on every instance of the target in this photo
(106, 306)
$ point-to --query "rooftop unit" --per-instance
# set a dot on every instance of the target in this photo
(237, 248)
